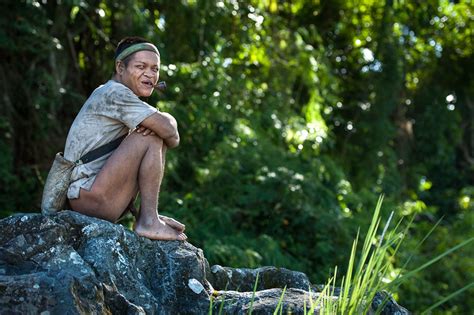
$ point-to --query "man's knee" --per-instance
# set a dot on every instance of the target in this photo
(155, 140)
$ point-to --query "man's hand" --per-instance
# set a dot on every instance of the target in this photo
(144, 131)
(164, 126)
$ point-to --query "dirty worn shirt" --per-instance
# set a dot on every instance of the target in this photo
(111, 111)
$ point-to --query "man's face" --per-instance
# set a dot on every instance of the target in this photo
(142, 73)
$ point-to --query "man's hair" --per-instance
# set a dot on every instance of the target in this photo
(124, 44)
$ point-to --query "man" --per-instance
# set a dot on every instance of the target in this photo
(106, 187)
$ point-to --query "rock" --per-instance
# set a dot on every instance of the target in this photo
(299, 291)
(265, 301)
(71, 263)
(391, 307)
(242, 279)
(68, 263)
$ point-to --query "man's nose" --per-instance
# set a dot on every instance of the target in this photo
(149, 73)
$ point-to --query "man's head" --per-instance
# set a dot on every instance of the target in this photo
(137, 65)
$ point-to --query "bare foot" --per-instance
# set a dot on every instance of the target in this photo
(159, 230)
(178, 226)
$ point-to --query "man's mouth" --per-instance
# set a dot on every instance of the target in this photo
(148, 83)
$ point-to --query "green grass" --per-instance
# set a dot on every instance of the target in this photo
(368, 273)
(279, 307)
(368, 276)
(253, 294)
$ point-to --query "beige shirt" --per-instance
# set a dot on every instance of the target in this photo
(111, 111)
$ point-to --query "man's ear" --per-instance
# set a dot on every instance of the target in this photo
(119, 67)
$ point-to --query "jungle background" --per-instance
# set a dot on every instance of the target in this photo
(294, 117)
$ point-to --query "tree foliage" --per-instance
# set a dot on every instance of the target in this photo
(294, 117)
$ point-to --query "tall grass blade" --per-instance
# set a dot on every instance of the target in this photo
(432, 261)
(385, 229)
(304, 304)
(422, 241)
(395, 284)
(346, 283)
(279, 308)
(210, 305)
(311, 303)
(324, 295)
(253, 294)
(221, 307)
(452, 295)
(370, 236)
(373, 225)
(366, 262)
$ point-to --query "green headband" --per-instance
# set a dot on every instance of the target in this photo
(137, 47)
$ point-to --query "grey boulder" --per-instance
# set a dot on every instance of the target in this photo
(68, 263)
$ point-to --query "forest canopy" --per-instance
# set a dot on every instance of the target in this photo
(294, 117)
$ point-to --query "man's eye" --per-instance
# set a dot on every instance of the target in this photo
(154, 69)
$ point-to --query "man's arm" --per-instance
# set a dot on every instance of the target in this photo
(164, 126)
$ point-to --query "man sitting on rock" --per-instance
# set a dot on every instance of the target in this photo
(107, 186)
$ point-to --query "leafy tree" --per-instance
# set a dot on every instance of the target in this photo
(294, 117)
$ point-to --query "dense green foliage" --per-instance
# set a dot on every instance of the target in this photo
(294, 117)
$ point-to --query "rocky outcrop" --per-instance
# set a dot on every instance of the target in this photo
(69, 263)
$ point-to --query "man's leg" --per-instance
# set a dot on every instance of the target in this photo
(146, 220)
(136, 164)
(170, 221)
